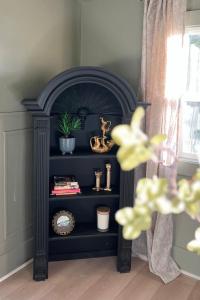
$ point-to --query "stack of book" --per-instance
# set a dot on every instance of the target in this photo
(65, 185)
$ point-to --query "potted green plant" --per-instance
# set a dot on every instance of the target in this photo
(66, 125)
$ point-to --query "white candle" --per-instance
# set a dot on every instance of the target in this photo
(103, 214)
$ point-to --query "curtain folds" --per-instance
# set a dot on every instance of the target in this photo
(162, 83)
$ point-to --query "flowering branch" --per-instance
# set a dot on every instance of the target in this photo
(156, 194)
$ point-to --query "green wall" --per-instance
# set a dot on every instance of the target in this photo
(193, 4)
(111, 36)
(38, 40)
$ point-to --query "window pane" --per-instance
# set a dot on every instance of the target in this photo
(193, 78)
(190, 117)
(191, 128)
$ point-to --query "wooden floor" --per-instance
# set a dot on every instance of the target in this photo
(97, 279)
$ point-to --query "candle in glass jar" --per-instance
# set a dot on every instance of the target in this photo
(103, 214)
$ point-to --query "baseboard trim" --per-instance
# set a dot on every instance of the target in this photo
(16, 270)
(190, 275)
(143, 257)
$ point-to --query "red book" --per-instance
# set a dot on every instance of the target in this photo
(66, 187)
(65, 191)
(64, 194)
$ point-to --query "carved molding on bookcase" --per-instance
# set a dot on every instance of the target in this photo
(41, 183)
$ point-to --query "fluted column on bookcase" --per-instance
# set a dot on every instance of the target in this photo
(40, 196)
(126, 199)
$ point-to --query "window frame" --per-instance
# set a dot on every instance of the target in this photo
(192, 26)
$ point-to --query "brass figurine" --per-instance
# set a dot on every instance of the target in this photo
(105, 126)
(102, 144)
(98, 175)
(108, 178)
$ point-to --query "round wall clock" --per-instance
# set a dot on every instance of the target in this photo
(63, 222)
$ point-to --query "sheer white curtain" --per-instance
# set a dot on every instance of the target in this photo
(162, 84)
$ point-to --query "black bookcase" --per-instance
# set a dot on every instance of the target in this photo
(103, 94)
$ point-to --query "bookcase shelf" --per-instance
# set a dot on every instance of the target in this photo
(81, 154)
(101, 94)
(87, 192)
(85, 230)
(85, 241)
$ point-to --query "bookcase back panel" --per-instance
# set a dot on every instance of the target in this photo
(95, 97)
(89, 246)
(84, 169)
(91, 128)
(84, 210)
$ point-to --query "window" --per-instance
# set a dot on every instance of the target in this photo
(189, 142)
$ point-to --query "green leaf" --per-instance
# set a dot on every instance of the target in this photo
(130, 233)
(121, 135)
(158, 139)
(67, 124)
(194, 246)
(197, 234)
(124, 215)
(131, 157)
(137, 117)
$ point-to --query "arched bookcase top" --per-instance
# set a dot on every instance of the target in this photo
(118, 86)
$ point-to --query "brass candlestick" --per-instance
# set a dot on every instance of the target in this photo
(108, 178)
(98, 175)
